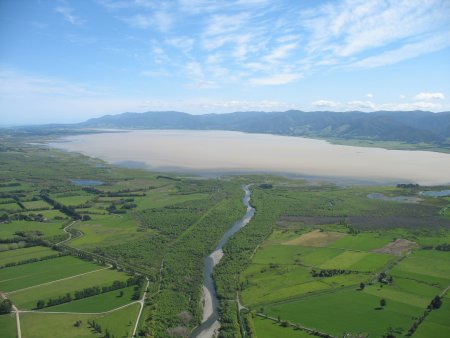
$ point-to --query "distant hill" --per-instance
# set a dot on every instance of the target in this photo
(401, 126)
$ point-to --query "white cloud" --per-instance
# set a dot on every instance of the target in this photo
(369, 95)
(280, 52)
(223, 24)
(388, 31)
(67, 13)
(160, 20)
(183, 43)
(196, 74)
(275, 80)
(418, 105)
(206, 105)
(429, 96)
(364, 105)
(325, 103)
(407, 51)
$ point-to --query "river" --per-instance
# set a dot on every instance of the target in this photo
(210, 324)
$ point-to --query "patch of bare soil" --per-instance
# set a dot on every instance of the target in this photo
(398, 247)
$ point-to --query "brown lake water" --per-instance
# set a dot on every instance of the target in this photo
(226, 151)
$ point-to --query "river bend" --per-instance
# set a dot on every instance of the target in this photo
(210, 323)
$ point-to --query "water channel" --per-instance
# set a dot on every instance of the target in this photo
(210, 324)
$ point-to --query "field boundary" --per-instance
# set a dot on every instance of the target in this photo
(59, 280)
(297, 326)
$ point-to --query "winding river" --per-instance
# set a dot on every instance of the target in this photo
(210, 324)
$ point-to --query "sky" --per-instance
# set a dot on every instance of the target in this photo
(64, 61)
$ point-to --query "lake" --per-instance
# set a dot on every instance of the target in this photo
(237, 152)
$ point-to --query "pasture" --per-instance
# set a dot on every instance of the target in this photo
(27, 275)
(100, 303)
(46, 229)
(27, 298)
(267, 328)
(14, 256)
(38, 325)
(346, 311)
(437, 324)
(279, 281)
(8, 326)
(106, 230)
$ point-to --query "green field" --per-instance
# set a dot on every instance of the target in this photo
(10, 207)
(100, 303)
(36, 205)
(266, 328)
(24, 254)
(38, 325)
(106, 230)
(8, 230)
(279, 282)
(74, 201)
(8, 326)
(348, 311)
(159, 198)
(429, 266)
(365, 241)
(437, 324)
(27, 275)
(28, 298)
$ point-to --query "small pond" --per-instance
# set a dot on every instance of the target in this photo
(86, 183)
(402, 199)
(441, 193)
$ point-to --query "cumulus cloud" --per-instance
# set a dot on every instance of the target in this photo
(429, 96)
(275, 80)
(325, 103)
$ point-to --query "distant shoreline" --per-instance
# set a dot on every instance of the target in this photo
(226, 152)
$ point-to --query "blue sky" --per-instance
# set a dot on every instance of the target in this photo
(66, 61)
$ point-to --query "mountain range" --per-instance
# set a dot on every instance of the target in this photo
(401, 126)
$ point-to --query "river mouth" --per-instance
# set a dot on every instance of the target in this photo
(210, 324)
(227, 152)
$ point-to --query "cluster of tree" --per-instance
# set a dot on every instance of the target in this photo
(435, 304)
(443, 247)
(98, 329)
(5, 218)
(408, 186)
(9, 184)
(195, 229)
(247, 323)
(330, 272)
(54, 301)
(32, 260)
(237, 253)
(93, 291)
(67, 210)
(5, 306)
(18, 201)
(352, 230)
(120, 206)
(29, 233)
(385, 278)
